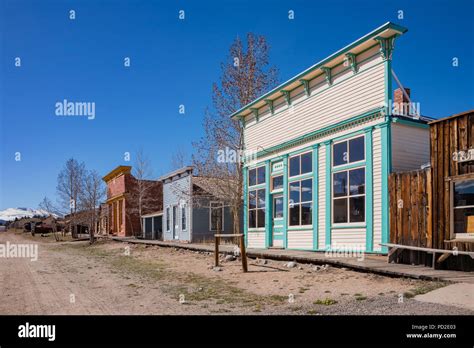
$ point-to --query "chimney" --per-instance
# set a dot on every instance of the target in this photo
(401, 102)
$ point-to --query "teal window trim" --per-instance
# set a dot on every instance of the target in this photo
(315, 196)
(244, 170)
(268, 207)
(328, 194)
(259, 186)
(348, 136)
(349, 166)
(369, 197)
(308, 228)
(348, 227)
(300, 151)
(300, 177)
(285, 201)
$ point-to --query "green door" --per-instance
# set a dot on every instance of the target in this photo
(277, 221)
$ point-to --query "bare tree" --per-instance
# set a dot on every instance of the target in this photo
(142, 196)
(69, 186)
(92, 193)
(245, 75)
(178, 159)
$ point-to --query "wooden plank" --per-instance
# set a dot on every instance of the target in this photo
(429, 215)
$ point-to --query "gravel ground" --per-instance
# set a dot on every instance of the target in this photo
(120, 278)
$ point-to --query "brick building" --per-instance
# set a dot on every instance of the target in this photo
(123, 191)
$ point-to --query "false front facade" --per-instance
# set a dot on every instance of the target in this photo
(319, 149)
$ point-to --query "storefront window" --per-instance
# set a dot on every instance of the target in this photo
(348, 151)
(463, 206)
(256, 214)
(277, 182)
(301, 202)
(349, 196)
(301, 164)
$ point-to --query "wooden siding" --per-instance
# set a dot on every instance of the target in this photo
(351, 95)
(377, 189)
(300, 239)
(448, 136)
(256, 240)
(410, 147)
(350, 239)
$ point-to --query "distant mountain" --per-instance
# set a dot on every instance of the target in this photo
(13, 213)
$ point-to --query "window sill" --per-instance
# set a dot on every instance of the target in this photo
(342, 227)
(262, 229)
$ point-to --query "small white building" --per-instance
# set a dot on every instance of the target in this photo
(319, 149)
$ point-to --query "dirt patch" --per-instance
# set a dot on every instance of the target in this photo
(121, 278)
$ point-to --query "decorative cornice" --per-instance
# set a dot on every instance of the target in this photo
(270, 105)
(351, 59)
(387, 46)
(287, 96)
(305, 84)
(327, 73)
(255, 113)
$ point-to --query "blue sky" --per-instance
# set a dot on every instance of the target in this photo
(175, 62)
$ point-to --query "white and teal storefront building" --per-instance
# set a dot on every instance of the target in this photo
(320, 148)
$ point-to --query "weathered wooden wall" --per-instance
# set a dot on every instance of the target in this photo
(448, 136)
(410, 212)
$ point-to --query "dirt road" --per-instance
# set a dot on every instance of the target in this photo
(117, 278)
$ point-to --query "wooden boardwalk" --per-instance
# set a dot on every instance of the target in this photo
(376, 264)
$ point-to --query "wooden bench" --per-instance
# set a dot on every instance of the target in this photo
(445, 253)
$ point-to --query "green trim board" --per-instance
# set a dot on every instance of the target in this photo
(268, 206)
(315, 210)
(384, 129)
(285, 201)
(328, 219)
(369, 197)
(348, 166)
(343, 51)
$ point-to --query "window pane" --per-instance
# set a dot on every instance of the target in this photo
(277, 182)
(307, 190)
(252, 199)
(295, 192)
(294, 165)
(252, 218)
(340, 210)
(261, 199)
(306, 216)
(463, 193)
(356, 149)
(357, 181)
(463, 220)
(260, 217)
(340, 184)
(306, 163)
(278, 207)
(295, 215)
(357, 209)
(261, 175)
(252, 177)
(340, 154)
